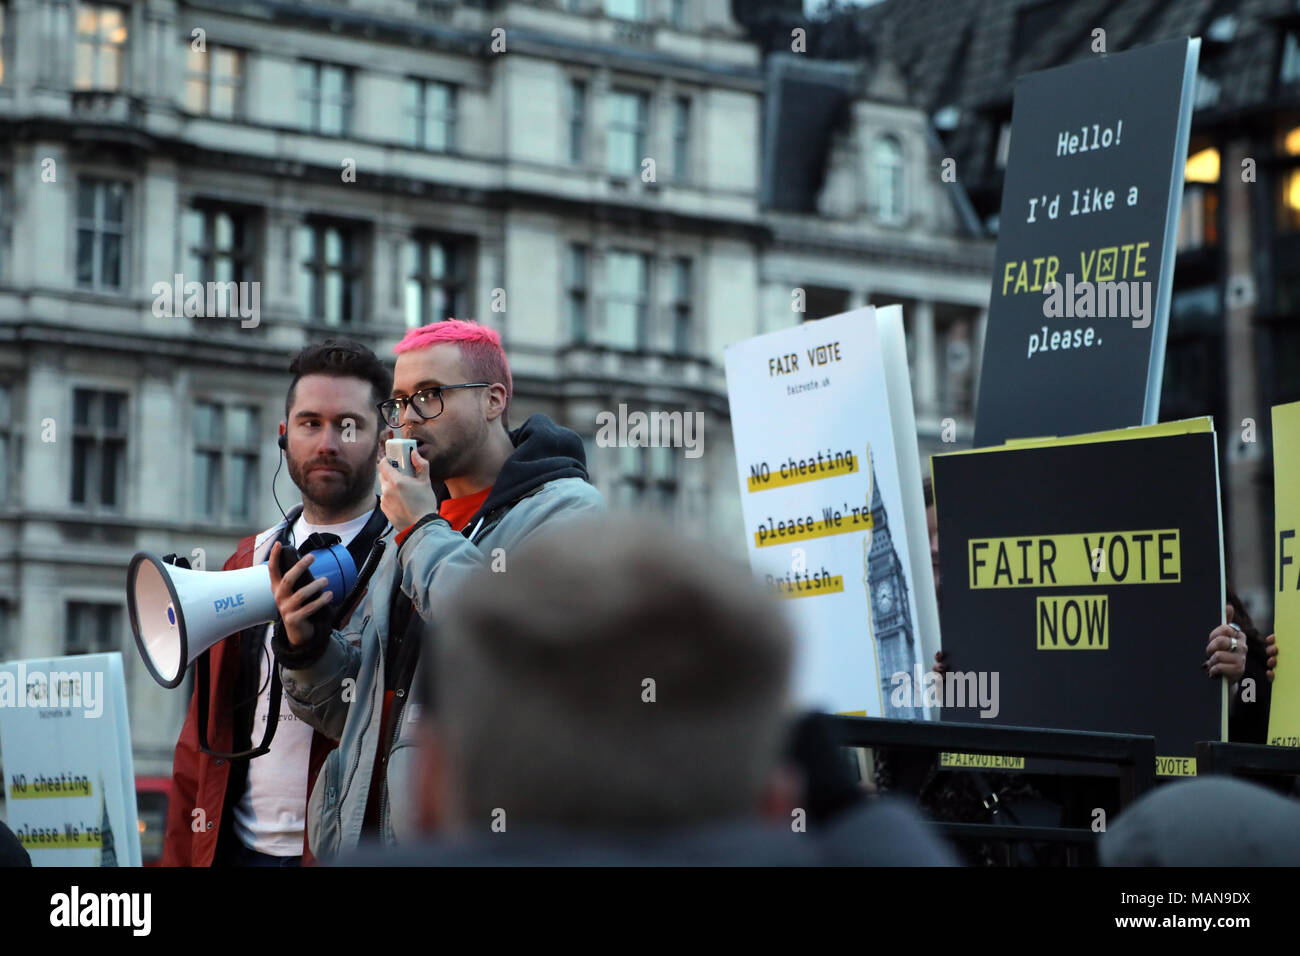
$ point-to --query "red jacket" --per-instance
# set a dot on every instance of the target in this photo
(199, 780)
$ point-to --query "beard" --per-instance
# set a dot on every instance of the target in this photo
(337, 490)
(451, 454)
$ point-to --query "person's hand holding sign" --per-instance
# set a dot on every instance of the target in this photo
(1225, 655)
(1270, 655)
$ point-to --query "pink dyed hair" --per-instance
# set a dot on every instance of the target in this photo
(480, 350)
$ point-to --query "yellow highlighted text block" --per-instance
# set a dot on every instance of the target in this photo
(982, 761)
(834, 586)
(797, 476)
(1073, 622)
(847, 524)
(1075, 560)
(1175, 766)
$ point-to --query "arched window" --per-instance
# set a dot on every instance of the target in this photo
(887, 163)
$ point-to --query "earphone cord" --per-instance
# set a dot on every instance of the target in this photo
(265, 655)
(274, 478)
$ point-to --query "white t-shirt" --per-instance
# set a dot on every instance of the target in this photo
(272, 815)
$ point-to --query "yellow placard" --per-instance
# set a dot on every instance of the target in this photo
(1284, 708)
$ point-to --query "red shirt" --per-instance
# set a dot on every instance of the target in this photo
(458, 511)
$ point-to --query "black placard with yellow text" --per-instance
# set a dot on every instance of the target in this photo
(1086, 244)
(1086, 575)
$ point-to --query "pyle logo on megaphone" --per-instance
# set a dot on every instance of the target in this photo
(177, 613)
(227, 604)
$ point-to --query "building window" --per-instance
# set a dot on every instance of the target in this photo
(214, 82)
(575, 280)
(8, 646)
(1289, 207)
(625, 9)
(102, 208)
(90, 628)
(430, 115)
(1289, 183)
(888, 165)
(8, 469)
(1004, 145)
(663, 475)
(4, 39)
(331, 265)
(625, 143)
(324, 98)
(4, 223)
(955, 369)
(101, 46)
(821, 301)
(678, 15)
(1289, 72)
(627, 282)
(682, 306)
(218, 249)
(577, 120)
(98, 448)
(681, 137)
(647, 477)
(632, 480)
(437, 280)
(1198, 219)
(225, 461)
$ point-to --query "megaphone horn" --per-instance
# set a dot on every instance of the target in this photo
(177, 614)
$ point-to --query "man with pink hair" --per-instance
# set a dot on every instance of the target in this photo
(479, 490)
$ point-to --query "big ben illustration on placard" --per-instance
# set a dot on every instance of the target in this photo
(891, 617)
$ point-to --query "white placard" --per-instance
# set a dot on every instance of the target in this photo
(66, 745)
(819, 466)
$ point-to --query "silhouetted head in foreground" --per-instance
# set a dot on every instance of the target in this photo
(612, 677)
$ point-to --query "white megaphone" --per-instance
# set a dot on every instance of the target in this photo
(177, 613)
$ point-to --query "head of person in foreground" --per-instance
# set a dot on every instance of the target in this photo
(612, 678)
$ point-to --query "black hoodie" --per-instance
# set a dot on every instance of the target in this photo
(544, 452)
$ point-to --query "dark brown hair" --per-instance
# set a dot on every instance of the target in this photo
(341, 358)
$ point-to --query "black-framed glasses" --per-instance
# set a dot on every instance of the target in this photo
(427, 403)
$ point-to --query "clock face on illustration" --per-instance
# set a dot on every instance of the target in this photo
(885, 595)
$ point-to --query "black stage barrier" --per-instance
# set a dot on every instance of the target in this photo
(1130, 758)
(1275, 767)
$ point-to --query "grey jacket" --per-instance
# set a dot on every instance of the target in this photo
(341, 693)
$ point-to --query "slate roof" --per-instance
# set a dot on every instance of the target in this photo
(968, 53)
